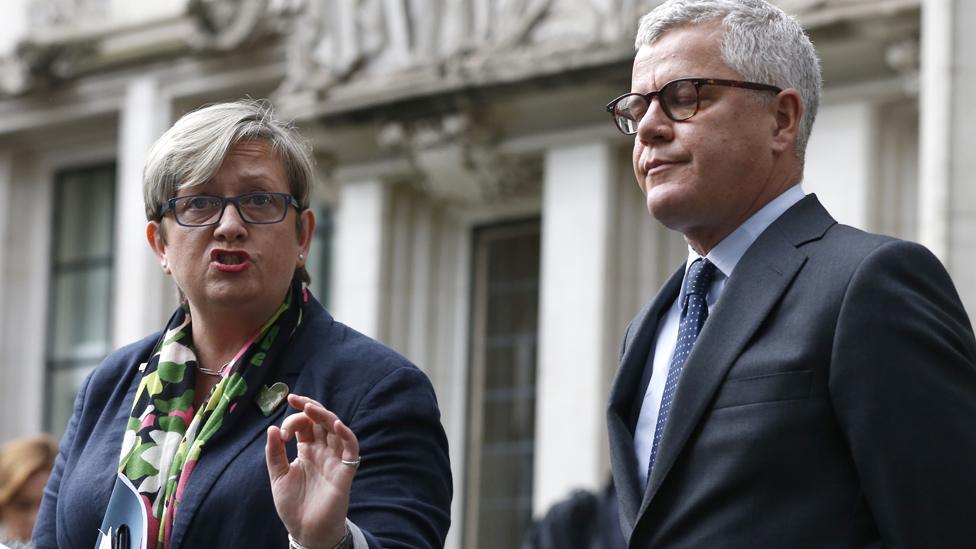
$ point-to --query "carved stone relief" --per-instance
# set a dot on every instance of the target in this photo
(904, 56)
(455, 160)
(68, 37)
(50, 13)
(333, 41)
(615, 20)
(225, 25)
(797, 7)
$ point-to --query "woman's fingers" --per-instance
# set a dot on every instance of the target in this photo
(349, 448)
(274, 454)
(298, 424)
(320, 414)
(315, 422)
(298, 401)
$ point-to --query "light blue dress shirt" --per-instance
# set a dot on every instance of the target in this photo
(725, 255)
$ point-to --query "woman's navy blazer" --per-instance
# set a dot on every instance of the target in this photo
(401, 496)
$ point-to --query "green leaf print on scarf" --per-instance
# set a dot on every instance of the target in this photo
(150, 384)
(137, 467)
(177, 403)
(171, 372)
(172, 424)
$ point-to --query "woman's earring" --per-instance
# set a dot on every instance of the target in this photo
(301, 257)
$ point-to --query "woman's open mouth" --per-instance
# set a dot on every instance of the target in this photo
(230, 261)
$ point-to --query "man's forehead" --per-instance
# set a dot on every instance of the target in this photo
(685, 51)
(708, 34)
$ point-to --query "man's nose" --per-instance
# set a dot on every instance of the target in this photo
(655, 124)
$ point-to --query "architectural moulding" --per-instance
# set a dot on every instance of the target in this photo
(348, 55)
(822, 13)
(49, 13)
(456, 160)
(334, 41)
(225, 25)
(326, 186)
(904, 56)
(356, 53)
(59, 48)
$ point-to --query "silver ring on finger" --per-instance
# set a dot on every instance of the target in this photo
(354, 463)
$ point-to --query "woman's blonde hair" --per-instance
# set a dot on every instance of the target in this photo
(20, 459)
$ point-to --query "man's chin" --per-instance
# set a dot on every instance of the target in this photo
(665, 207)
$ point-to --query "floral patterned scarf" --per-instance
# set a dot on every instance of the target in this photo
(165, 435)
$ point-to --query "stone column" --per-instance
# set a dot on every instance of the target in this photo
(26, 200)
(357, 275)
(947, 195)
(6, 182)
(839, 160)
(14, 411)
(142, 296)
(571, 385)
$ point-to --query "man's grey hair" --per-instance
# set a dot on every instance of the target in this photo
(190, 153)
(761, 42)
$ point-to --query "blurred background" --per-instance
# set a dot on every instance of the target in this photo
(477, 209)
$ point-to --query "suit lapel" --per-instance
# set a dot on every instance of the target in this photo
(625, 391)
(759, 281)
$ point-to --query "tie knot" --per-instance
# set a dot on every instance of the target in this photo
(699, 277)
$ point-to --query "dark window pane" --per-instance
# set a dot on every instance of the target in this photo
(83, 214)
(80, 292)
(81, 300)
(504, 344)
(319, 262)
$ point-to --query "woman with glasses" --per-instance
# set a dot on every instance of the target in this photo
(253, 419)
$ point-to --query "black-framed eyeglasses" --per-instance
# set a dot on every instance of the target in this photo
(679, 99)
(203, 210)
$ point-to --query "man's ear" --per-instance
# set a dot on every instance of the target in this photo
(787, 111)
(157, 241)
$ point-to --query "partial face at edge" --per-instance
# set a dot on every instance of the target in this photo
(20, 513)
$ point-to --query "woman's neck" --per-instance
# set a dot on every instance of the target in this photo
(220, 332)
(216, 341)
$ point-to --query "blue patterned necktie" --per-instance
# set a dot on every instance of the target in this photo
(694, 312)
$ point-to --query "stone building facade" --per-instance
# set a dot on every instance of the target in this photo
(477, 207)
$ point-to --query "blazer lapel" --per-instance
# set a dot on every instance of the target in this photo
(223, 450)
(759, 281)
(624, 393)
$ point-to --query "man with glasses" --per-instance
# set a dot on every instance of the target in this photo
(797, 383)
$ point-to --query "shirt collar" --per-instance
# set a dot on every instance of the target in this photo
(727, 253)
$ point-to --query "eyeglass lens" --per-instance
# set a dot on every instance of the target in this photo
(678, 99)
(253, 208)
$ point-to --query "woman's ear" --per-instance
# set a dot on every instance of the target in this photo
(306, 228)
(157, 241)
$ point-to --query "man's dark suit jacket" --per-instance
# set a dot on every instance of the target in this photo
(829, 402)
(401, 496)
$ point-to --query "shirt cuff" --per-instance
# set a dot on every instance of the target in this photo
(358, 539)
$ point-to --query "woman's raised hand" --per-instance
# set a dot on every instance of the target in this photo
(311, 493)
